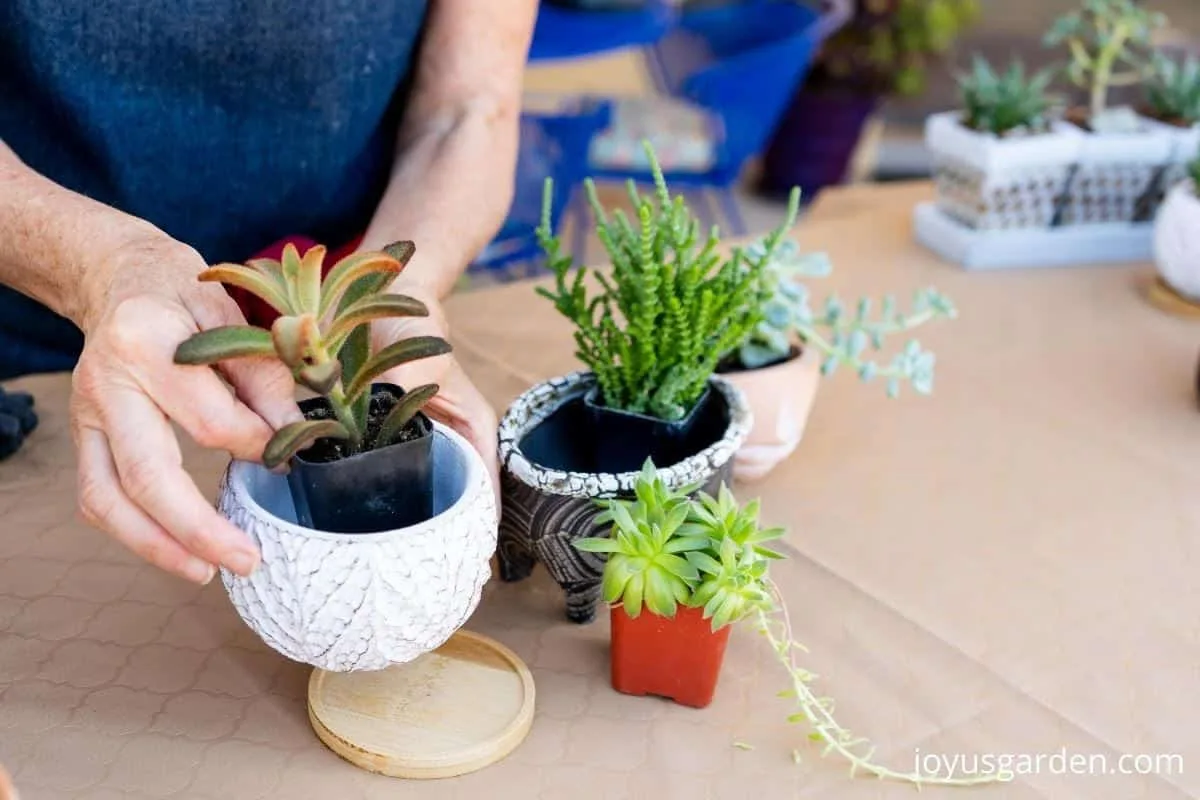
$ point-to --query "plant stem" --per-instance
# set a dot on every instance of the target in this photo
(818, 713)
(338, 403)
(1102, 75)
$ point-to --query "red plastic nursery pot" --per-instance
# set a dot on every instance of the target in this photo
(677, 658)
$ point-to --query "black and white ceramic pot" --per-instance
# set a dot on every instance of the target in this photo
(547, 442)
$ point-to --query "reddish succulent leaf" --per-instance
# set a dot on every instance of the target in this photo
(291, 439)
(370, 308)
(290, 260)
(403, 412)
(401, 251)
(268, 267)
(350, 269)
(252, 281)
(308, 281)
(218, 344)
(293, 337)
(401, 352)
(320, 377)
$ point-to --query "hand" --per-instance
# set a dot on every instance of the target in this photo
(458, 404)
(141, 301)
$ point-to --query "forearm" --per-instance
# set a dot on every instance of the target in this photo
(51, 238)
(457, 147)
(450, 190)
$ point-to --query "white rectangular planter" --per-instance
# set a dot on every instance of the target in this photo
(1115, 179)
(1185, 147)
(989, 182)
(1095, 244)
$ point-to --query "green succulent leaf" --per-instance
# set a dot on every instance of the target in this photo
(597, 545)
(308, 280)
(403, 412)
(321, 378)
(402, 352)
(372, 308)
(380, 268)
(219, 344)
(292, 439)
(294, 338)
(252, 281)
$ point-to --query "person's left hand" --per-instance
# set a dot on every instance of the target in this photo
(458, 404)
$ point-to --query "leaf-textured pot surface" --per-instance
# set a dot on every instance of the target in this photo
(780, 397)
(345, 602)
(546, 507)
(678, 658)
(1177, 241)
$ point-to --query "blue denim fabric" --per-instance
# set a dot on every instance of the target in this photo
(227, 123)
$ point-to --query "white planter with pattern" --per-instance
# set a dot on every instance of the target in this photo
(988, 182)
(346, 602)
(1119, 174)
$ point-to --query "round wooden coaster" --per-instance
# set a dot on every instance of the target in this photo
(1171, 301)
(456, 710)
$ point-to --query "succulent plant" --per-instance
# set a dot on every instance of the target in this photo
(1108, 41)
(666, 549)
(1002, 102)
(322, 336)
(1173, 91)
(844, 339)
(671, 307)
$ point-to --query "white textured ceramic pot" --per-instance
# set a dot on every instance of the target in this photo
(1119, 175)
(988, 182)
(346, 602)
(546, 506)
(780, 399)
(1177, 241)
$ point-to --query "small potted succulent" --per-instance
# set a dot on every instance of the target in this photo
(1121, 153)
(1177, 238)
(375, 546)
(779, 364)
(651, 333)
(678, 573)
(680, 570)
(1002, 161)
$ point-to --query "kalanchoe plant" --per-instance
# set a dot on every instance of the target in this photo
(844, 338)
(1005, 102)
(666, 550)
(1173, 91)
(1109, 42)
(322, 335)
(673, 304)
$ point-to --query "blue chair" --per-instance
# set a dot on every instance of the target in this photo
(571, 33)
(553, 144)
(735, 68)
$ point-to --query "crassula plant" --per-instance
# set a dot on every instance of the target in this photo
(845, 337)
(322, 336)
(656, 326)
(1002, 103)
(1173, 91)
(1109, 43)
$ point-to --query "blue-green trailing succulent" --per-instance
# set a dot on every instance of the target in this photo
(846, 336)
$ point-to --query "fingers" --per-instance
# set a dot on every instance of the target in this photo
(105, 505)
(149, 466)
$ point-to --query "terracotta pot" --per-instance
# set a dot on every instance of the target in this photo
(780, 398)
(678, 658)
(550, 487)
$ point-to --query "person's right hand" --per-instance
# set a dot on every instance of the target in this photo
(139, 303)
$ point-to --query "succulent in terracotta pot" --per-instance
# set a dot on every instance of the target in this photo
(376, 545)
(779, 364)
(651, 332)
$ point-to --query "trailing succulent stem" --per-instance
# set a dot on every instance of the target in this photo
(672, 305)
(844, 339)
(1108, 41)
(323, 336)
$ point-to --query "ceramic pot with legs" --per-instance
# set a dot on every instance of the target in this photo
(550, 485)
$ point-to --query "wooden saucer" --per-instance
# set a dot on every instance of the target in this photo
(1171, 301)
(456, 710)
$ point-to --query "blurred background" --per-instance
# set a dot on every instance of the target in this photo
(744, 99)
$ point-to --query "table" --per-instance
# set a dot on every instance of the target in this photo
(1006, 567)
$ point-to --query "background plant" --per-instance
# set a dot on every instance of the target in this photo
(1002, 102)
(672, 306)
(322, 335)
(666, 550)
(843, 338)
(1173, 91)
(887, 45)
(1109, 42)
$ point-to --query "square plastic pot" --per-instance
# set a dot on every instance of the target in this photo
(678, 658)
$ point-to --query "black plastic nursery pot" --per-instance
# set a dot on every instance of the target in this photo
(369, 492)
(623, 439)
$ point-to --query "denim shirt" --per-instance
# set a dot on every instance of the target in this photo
(229, 124)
